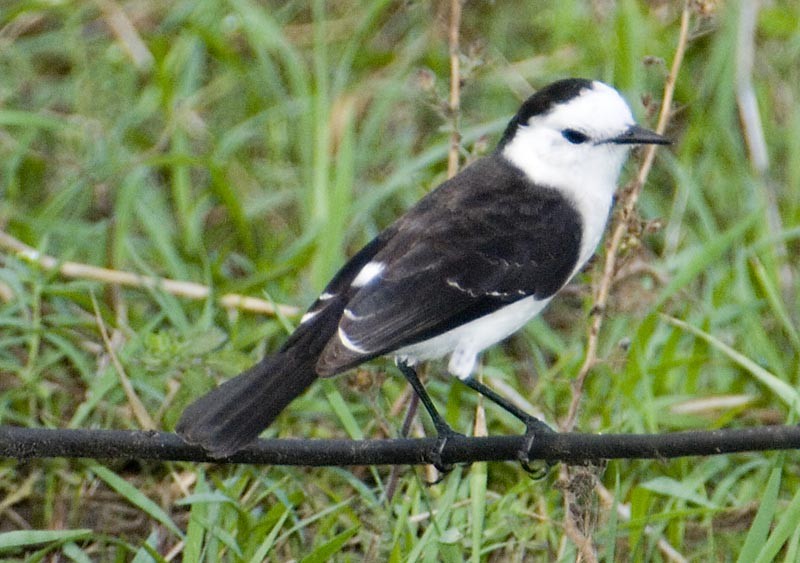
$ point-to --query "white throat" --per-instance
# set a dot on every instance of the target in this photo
(590, 187)
(587, 173)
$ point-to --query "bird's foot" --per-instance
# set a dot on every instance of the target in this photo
(434, 455)
(534, 427)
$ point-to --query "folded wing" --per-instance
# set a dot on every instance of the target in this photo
(482, 248)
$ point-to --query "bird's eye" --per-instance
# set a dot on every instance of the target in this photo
(574, 137)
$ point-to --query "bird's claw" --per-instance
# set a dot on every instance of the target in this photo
(434, 455)
(536, 469)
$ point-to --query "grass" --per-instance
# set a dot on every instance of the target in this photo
(253, 146)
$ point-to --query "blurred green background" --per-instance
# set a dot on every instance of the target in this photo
(253, 146)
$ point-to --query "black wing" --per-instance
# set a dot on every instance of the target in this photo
(483, 240)
(321, 321)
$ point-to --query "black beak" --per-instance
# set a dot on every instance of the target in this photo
(636, 135)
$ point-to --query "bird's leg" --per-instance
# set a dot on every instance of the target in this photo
(533, 425)
(443, 430)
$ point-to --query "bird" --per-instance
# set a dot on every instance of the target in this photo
(464, 268)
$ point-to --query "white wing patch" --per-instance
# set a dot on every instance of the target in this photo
(318, 307)
(368, 273)
(308, 316)
(453, 283)
(349, 344)
(348, 314)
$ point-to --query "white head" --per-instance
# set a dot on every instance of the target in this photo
(574, 134)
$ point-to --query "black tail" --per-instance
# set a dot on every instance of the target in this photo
(234, 414)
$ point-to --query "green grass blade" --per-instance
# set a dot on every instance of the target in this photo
(478, 475)
(783, 390)
(428, 547)
(793, 547)
(612, 526)
(194, 528)
(148, 552)
(330, 548)
(760, 527)
(699, 259)
(677, 489)
(75, 553)
(20, 118)
(342, 410)
(775, 301)
(26, 538)
(269, 542)
(134, 496)
(784, 527)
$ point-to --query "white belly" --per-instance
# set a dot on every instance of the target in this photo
(465, 342)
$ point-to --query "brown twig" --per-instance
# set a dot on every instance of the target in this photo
(574, 448)
(621, 225)
(190, 290)
(138, 408)
(603, 288)
(455, 87)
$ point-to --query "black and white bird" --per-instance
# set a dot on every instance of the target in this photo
(467, 266)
